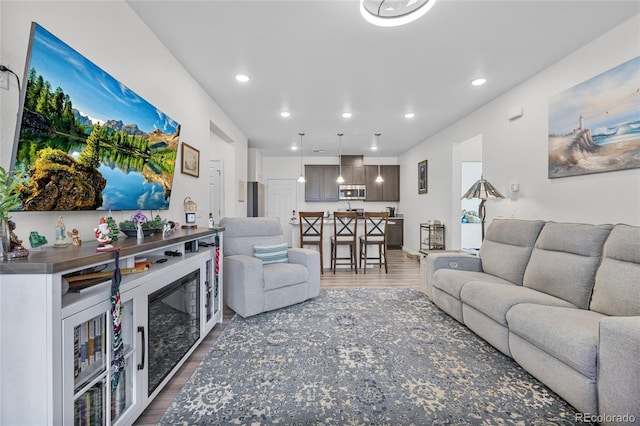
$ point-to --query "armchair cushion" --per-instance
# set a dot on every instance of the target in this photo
(271, 254)
(280, 275)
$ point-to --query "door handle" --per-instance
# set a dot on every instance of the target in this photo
(141, 365)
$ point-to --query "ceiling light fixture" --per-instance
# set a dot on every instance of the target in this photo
(392, 13)
(242, 78)
(379, 178)
(478, 81)
(285, 114)
(409, 115)
(346, 115)
(340, 178)
(301, 179)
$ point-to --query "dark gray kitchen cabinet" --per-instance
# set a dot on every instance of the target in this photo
(321, 182)
(389, 189)
(395, 233)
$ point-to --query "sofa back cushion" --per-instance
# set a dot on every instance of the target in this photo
(617, 288)
(242, 233)
(565, 259)
(507, 247)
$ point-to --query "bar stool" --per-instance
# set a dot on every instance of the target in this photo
(311, 226)
(375, 234)
(345, 228)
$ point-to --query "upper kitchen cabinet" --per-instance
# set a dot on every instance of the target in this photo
(353, 169)
(321, 182)
(389, 189)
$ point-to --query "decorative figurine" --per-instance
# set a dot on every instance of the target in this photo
(113, 227)
(138, 219)
(211, 223)
(102, 235)
(16, 250)
(37, 240)
(166, 229)
(60, 230)
(75, 237)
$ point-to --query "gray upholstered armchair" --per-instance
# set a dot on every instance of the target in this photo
(260, 272)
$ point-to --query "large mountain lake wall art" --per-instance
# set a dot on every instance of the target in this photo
(594, 126)
(86, 140)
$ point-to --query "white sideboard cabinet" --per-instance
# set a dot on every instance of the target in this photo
(56, 348)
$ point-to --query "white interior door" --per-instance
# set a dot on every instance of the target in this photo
(216, 190)
(281, 202)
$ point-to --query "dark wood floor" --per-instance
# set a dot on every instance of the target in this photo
(403, 272)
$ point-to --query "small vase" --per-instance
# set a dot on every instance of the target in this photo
(140, 234)
(5, 237)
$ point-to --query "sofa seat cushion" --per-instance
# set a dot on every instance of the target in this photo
(451, 281)
(569, 335)
(494, 300)
(277, 275)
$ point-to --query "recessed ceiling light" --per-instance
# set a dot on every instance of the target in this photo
(242, 78)
(346, 115)
(479, 81)
(409, 115)
(285, 114)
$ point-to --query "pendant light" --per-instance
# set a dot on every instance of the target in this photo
(301, 179)
(340, 178)
(379, 178)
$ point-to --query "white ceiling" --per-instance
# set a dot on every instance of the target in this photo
(317, 59)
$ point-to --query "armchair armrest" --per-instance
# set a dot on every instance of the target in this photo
(311, 260)
(460, 261)
(619, 367)
(243, 284)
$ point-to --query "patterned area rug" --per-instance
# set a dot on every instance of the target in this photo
(360, 356)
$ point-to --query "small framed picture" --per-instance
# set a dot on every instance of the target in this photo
(422, 177)
(190, 160)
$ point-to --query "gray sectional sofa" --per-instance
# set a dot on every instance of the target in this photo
(561, 299)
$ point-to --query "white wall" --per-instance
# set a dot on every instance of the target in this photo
(112, 36)
(516, 152)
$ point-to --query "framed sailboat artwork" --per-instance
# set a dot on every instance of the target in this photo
(594, 126)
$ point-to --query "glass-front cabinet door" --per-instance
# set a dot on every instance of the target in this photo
(86, 343)
(94, 392)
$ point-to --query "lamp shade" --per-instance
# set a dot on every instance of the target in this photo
(483, 190)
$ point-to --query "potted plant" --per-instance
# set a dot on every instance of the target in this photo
(130, 227)
(9, 200)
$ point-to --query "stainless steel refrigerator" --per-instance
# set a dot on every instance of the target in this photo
(255, 199)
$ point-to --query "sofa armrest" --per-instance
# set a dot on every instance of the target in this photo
(243, 284)
(311, 260)
(619, 368)
(459, 261)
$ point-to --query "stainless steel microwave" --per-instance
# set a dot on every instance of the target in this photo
(352, 192)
